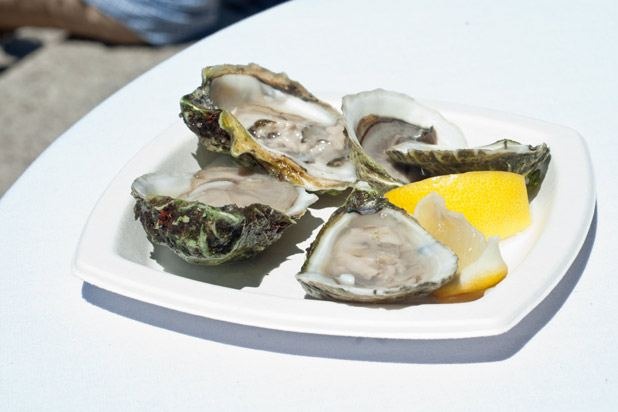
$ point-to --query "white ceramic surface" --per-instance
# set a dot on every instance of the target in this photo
(70, 346)
(114, 253)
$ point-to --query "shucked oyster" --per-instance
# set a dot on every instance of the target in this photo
(371, 251)
(504, 155)
(256, 114)
(377, 120)
(217, 215)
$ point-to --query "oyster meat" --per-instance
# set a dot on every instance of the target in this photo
(371, 251)
(503, 155)
(218, 214)
(379, 119)
(264, 117)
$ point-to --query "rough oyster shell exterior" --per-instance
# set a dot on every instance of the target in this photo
(210, 235)
(503, 155)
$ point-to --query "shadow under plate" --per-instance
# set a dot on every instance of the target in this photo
(421, 351)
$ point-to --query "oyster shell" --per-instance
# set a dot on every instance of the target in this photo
(217, 215)
(371, 251)
(260, 116)
(379, 119)
(504, 155)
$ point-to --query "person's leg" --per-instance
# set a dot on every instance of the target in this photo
(72, 15)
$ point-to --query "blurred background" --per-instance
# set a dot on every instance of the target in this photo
(60, 58)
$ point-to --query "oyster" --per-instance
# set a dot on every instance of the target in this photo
(218, 214)
(371, 251)
(260, 116)
(504, 155)
(377, 120)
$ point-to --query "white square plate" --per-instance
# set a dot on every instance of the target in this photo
(114, 253)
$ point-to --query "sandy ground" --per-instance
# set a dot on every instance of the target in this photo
(48, 82)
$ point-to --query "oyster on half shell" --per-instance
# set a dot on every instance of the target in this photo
(503, 155)
(371, 251)
(264, 117)
(378, 119)
(218, 214)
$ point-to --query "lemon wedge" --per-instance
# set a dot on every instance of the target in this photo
(480, 263)
(496, 203)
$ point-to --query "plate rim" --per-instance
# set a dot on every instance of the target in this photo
(104, 269)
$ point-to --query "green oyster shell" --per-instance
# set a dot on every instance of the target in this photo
(201, 114)
(503, 155)
(218, 130)
(387, 104)
(365, 202)
(370, 171)
(208, 235)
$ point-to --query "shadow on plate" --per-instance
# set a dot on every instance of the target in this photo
(204, 157)
(467, 350)
(238, 275)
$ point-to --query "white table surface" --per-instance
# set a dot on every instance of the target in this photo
(66, 345)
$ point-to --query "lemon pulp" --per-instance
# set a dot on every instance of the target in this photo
(480, 263)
